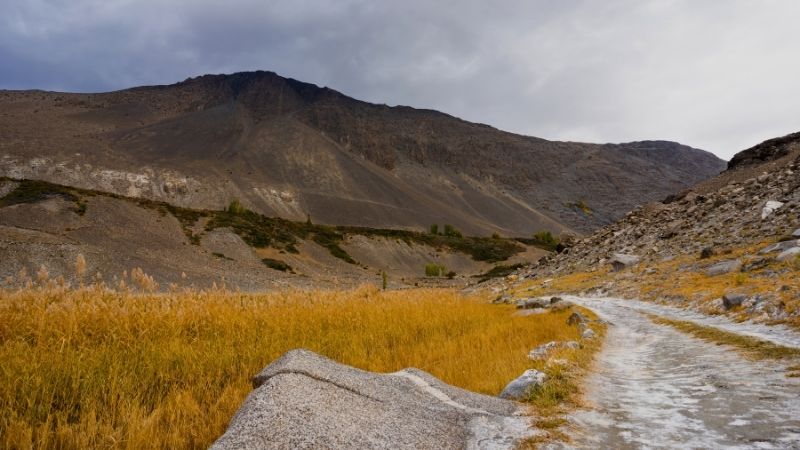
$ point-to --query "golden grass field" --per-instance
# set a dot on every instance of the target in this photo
(96, 368)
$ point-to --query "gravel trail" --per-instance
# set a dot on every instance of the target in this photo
(656, 387)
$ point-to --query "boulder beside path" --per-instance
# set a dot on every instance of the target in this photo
(304, 400)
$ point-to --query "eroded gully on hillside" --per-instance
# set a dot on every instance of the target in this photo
(656, 387)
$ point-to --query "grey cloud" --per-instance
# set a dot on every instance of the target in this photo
(715, 75)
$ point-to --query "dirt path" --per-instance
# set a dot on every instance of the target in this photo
(656, 387)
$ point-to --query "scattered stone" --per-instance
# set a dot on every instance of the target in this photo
(770, 207)
(620, 261)
(304, 400)
(540, 352)
(532, 303)
(505, 298)
(587, 333)
(788, 254)
(756, 264)
(561, 306)
(724, 267)
(796, 233)
(576, 318)
(520, 387)
(731, 300)
(780, 246)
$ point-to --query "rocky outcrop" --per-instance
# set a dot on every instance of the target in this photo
(769, 150)
(306, 401)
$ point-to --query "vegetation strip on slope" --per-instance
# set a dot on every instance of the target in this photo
(261, 232)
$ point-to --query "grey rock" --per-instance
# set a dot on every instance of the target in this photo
(796, 233)
(520, 387)
(788, 254)
(539, 353)
(304, 400)
(532, 303)
(731, 300)
(576, 318)
(770, 207)
(780, 246)
(561, 306)
(620, 261)
(724, 267)
(505, 298)
(756, 264)
(587, 333)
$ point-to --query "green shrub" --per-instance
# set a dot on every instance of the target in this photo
(236, 208)
(434, 229)
(451, 231)
(434, 270)
(545, 239)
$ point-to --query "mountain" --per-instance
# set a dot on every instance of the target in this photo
(291, 149)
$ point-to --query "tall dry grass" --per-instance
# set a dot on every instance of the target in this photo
(95, 368)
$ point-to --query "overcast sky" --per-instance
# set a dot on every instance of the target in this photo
(718, 75)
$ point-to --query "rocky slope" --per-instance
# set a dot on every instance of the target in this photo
(287, 148)
(728, 245)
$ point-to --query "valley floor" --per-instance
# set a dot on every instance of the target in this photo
(656, 387)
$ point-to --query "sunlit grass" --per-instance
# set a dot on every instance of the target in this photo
(98, 368)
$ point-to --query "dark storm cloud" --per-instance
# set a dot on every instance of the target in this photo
(716, 75)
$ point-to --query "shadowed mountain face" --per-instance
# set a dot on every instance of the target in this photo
(292, 149)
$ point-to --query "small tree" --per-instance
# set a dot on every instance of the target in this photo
(545, 239)
(434, 270)
(434, 229)
(384, 279)
(236, 207)
(451, 231)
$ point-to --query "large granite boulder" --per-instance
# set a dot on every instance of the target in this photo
(304, 400)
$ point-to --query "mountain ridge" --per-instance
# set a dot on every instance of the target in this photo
(288, 148)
